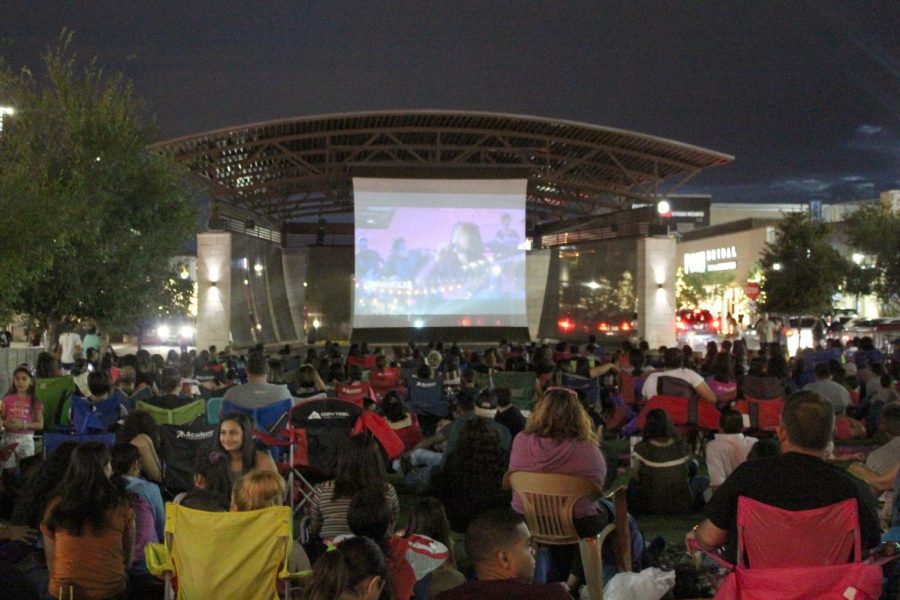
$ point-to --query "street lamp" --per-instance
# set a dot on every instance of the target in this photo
(5, 110)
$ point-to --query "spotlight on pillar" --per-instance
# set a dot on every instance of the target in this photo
(664, 208)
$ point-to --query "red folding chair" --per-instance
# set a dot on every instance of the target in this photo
(383, 382)
(354, 392)
(366, 363)
(685, 412)
(798, 555)
(765, 415)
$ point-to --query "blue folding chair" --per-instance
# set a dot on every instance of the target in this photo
(213, 410)
(91, 417)
(264, 417)
(53, 440)
(590, 387)
(426, 397)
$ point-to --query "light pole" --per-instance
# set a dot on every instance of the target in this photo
(5, 110)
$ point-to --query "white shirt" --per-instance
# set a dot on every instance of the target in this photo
(692, 377)
(68, 342)
(725, 453)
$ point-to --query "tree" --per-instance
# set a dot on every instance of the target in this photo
(95, 217)
(695, 288)
(801, 271)
(875, 232)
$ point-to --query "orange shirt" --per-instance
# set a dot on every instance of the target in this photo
(93, 562)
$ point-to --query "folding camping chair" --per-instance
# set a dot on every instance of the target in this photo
(213, 410)
(589, 385)
(383, 382)
(173, 416)
(92, 417)
(520, 385)
(53, 393)
(366, 363)
(181, 445)
(354, 392)
(224, 554)
(765, 415)
(426, 399)
(264, 418)
(316, 431)
(794, 555)
(53, 440)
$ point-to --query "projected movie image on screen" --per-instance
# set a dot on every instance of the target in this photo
(439, 253)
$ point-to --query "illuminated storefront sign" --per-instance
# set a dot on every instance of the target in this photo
(706, 261)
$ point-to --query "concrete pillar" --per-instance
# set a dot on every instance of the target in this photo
(294, 261)
(213, 289)
(537, 265)
(655, 284)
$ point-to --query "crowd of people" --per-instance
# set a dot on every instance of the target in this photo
(77, 520)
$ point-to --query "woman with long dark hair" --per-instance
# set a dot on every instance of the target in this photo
(360, 466)
(88, 529)
(234, 437)
(471, 478)
(356, 570)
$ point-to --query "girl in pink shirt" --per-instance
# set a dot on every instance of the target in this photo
(21, 414)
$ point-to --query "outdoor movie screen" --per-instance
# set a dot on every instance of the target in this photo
(439, 253)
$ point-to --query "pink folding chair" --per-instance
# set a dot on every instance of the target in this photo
(798, 555)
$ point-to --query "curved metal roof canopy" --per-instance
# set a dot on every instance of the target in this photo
(294, 169)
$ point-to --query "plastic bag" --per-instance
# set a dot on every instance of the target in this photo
(649, 584)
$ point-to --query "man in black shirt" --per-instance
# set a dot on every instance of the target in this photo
(798, 479)
(508, 414)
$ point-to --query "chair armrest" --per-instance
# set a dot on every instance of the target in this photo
(158, 559)
(695, 549)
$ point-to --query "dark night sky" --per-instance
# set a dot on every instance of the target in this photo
(805, 94)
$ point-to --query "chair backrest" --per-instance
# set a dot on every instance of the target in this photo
(363, 362)
(173, 416)
(53, 440)
(258, 544)
(89, 417)
(354, 392)
(426, 397)
(385, 380)
(590, 386)
(773, 537)
(548, 500)
(213, 410)
(52, 392)
(520, 385)
(765, 415)
(674, 386)
(318, 429)
(683, 411)
(181, 445)
(263, 417)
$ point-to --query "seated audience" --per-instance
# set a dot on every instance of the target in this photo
(887, 456)
(257, 392)
(234, 437)
(728, 449)
(674, 363)
(508, 414)
(499, 545)
(141, 431)
(429, 519)
(170, 387)
(409, 559)
(665, 479)
(403, 421)
(212, 481)
(471, 478)
(798, 479)
(722, 382)
(256, 490)
(355, 570)
(88, 529)
(360, 466)
(559, 437)
(836, 394)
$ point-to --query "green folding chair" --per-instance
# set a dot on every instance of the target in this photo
(520, 384)
(213, 408)
(53, 392)
(174, 416)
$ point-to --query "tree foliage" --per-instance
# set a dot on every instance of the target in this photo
(875, 232)
(93, 215)
(692, 289)
(801, 270)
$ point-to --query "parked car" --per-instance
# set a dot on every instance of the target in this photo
(695, 328)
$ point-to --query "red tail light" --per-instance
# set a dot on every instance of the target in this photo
(625, 326)
(715, 324)
(603, 327)
(565, 324)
